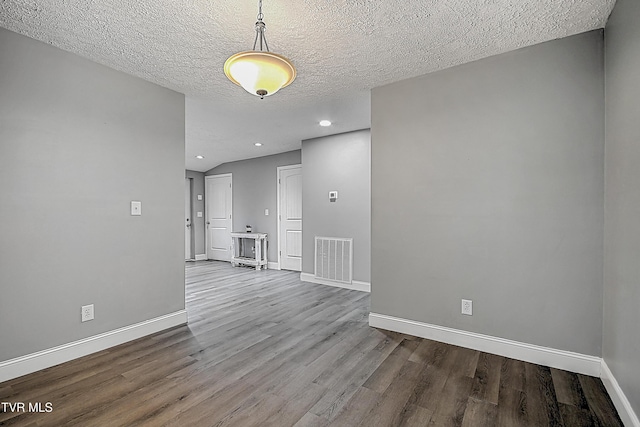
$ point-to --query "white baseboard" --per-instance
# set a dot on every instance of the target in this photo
(201, 257)
(628, 416)
(361, 286)
(33, 362)
(354, 286)
(273, 266)
(561, 359)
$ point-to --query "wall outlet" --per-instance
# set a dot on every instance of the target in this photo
(467, 307)
(87, 312)
(136, 208)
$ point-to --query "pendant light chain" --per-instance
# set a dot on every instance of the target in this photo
(260, 15)
(260, 27)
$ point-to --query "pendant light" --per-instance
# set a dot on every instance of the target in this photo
(260, 72)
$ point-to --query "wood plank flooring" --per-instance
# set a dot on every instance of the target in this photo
(264, 349)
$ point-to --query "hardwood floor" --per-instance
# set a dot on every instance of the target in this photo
(264, 349)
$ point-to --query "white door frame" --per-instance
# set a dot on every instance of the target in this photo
(189, 236)
(278, 170)
(206, 207)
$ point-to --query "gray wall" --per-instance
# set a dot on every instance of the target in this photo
(343, 163)
(254, 190)
(198, 237)
(621, 348)
(78, 142)
(487, 184)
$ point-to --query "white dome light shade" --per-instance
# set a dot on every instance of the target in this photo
(260, 73)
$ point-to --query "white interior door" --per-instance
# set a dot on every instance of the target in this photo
(219, 212)
(187, 216)
(290, 217)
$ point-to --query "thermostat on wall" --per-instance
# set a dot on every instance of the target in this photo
(333, 196)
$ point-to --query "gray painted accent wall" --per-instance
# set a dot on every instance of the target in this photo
(197, 187)
(254, 190)
(339, 162)
(78, 142)
(487, 184)
(621, 345)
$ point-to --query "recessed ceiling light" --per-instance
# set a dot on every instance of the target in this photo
(199, 157)
(325, 123)
(258, 144)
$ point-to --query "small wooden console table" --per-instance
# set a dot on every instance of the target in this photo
(243, 251)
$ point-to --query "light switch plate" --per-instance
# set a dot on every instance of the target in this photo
(199, 196)
(136, 208)
(266, 212)
(199, 214)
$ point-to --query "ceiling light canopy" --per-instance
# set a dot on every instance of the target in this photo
(325, 123)
(259, 72)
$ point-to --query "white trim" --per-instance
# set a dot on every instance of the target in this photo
(278, 216)
(33, 362)
(278, 170)
(355, 285)
(561, 359)
(201, 257)
(273, 265)
(361, 286)
(625, 411)
(190, 232)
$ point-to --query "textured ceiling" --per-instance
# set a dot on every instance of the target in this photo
(341, 49)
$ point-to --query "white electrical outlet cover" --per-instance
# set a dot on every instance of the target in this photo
(87, 312)
(467, 307)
